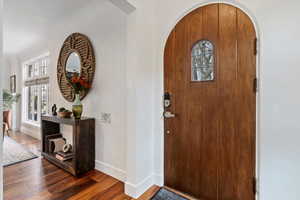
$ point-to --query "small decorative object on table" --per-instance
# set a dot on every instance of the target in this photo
(79, 85)
(64, 113)
(67, 148)
(56, 145)
(54, 113)
(47, 141)
(77, 107)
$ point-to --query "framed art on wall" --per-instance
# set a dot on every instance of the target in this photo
(13, 84)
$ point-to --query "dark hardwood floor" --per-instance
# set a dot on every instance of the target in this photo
(38, 179)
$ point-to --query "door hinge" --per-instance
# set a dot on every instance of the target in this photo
(255, 85)
(254, 185)
(255, 46)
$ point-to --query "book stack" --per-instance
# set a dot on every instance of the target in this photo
(62, 156)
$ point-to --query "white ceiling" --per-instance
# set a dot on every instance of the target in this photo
(27, 21)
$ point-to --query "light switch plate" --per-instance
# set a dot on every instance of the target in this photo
(105, 118)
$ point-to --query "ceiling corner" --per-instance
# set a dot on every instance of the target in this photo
(127, 6)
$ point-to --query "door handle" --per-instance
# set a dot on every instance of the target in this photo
(168, 114)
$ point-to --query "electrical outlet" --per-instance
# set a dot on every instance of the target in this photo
(105, 118)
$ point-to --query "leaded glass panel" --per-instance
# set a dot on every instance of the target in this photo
(203, 61)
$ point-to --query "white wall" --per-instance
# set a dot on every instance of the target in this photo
(105, 25)
(12, 66)
(140, 96)
(6, 73)
(278, 133)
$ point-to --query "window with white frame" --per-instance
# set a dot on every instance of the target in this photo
(36, 89)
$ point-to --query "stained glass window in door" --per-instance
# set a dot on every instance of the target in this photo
(203, 61)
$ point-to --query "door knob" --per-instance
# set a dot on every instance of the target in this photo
(168, 114)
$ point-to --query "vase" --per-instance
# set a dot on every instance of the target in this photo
(77, 107)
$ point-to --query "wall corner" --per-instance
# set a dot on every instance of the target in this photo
(127, 6)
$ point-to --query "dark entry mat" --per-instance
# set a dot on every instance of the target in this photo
(164, 194)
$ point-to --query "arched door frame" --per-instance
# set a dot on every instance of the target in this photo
(258, 74)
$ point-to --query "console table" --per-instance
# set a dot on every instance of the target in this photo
(83, 143)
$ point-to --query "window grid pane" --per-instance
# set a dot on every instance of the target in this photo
(43, 67)
(44, 99)
(36, 69)
(36, 93)
(29, 108)
(34, 100)
(30, 71)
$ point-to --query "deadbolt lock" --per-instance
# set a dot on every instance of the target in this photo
(167, 100)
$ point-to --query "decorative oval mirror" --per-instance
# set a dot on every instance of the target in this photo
(76, 58)
(73, 65)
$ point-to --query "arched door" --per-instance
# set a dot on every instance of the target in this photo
(210, 104)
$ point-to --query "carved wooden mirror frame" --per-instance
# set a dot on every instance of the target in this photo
(80, 44)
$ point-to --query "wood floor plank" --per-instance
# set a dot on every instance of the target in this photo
(110, 193)
(60, 188)
(149, 193)
(98, 188)
(122, 197)
(38, 179)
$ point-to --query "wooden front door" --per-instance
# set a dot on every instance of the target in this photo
(210, 104)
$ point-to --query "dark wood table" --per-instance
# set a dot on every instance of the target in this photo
(83, 143)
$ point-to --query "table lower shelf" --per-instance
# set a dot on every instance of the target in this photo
(66, 165)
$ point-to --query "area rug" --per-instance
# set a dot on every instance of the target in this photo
(164, 194)
(14, 152)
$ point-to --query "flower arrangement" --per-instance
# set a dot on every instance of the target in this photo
(79, 84)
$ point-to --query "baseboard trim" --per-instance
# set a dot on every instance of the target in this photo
(110, 170)
(31, 132)
(136, 190)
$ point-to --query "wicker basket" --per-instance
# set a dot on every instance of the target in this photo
(64, 114)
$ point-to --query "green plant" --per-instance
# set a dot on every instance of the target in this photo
(9, 99)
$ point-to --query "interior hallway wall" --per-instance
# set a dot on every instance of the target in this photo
(140, 57)
(105, 25)
(12, 66)
(5, 73)
(279, 107)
